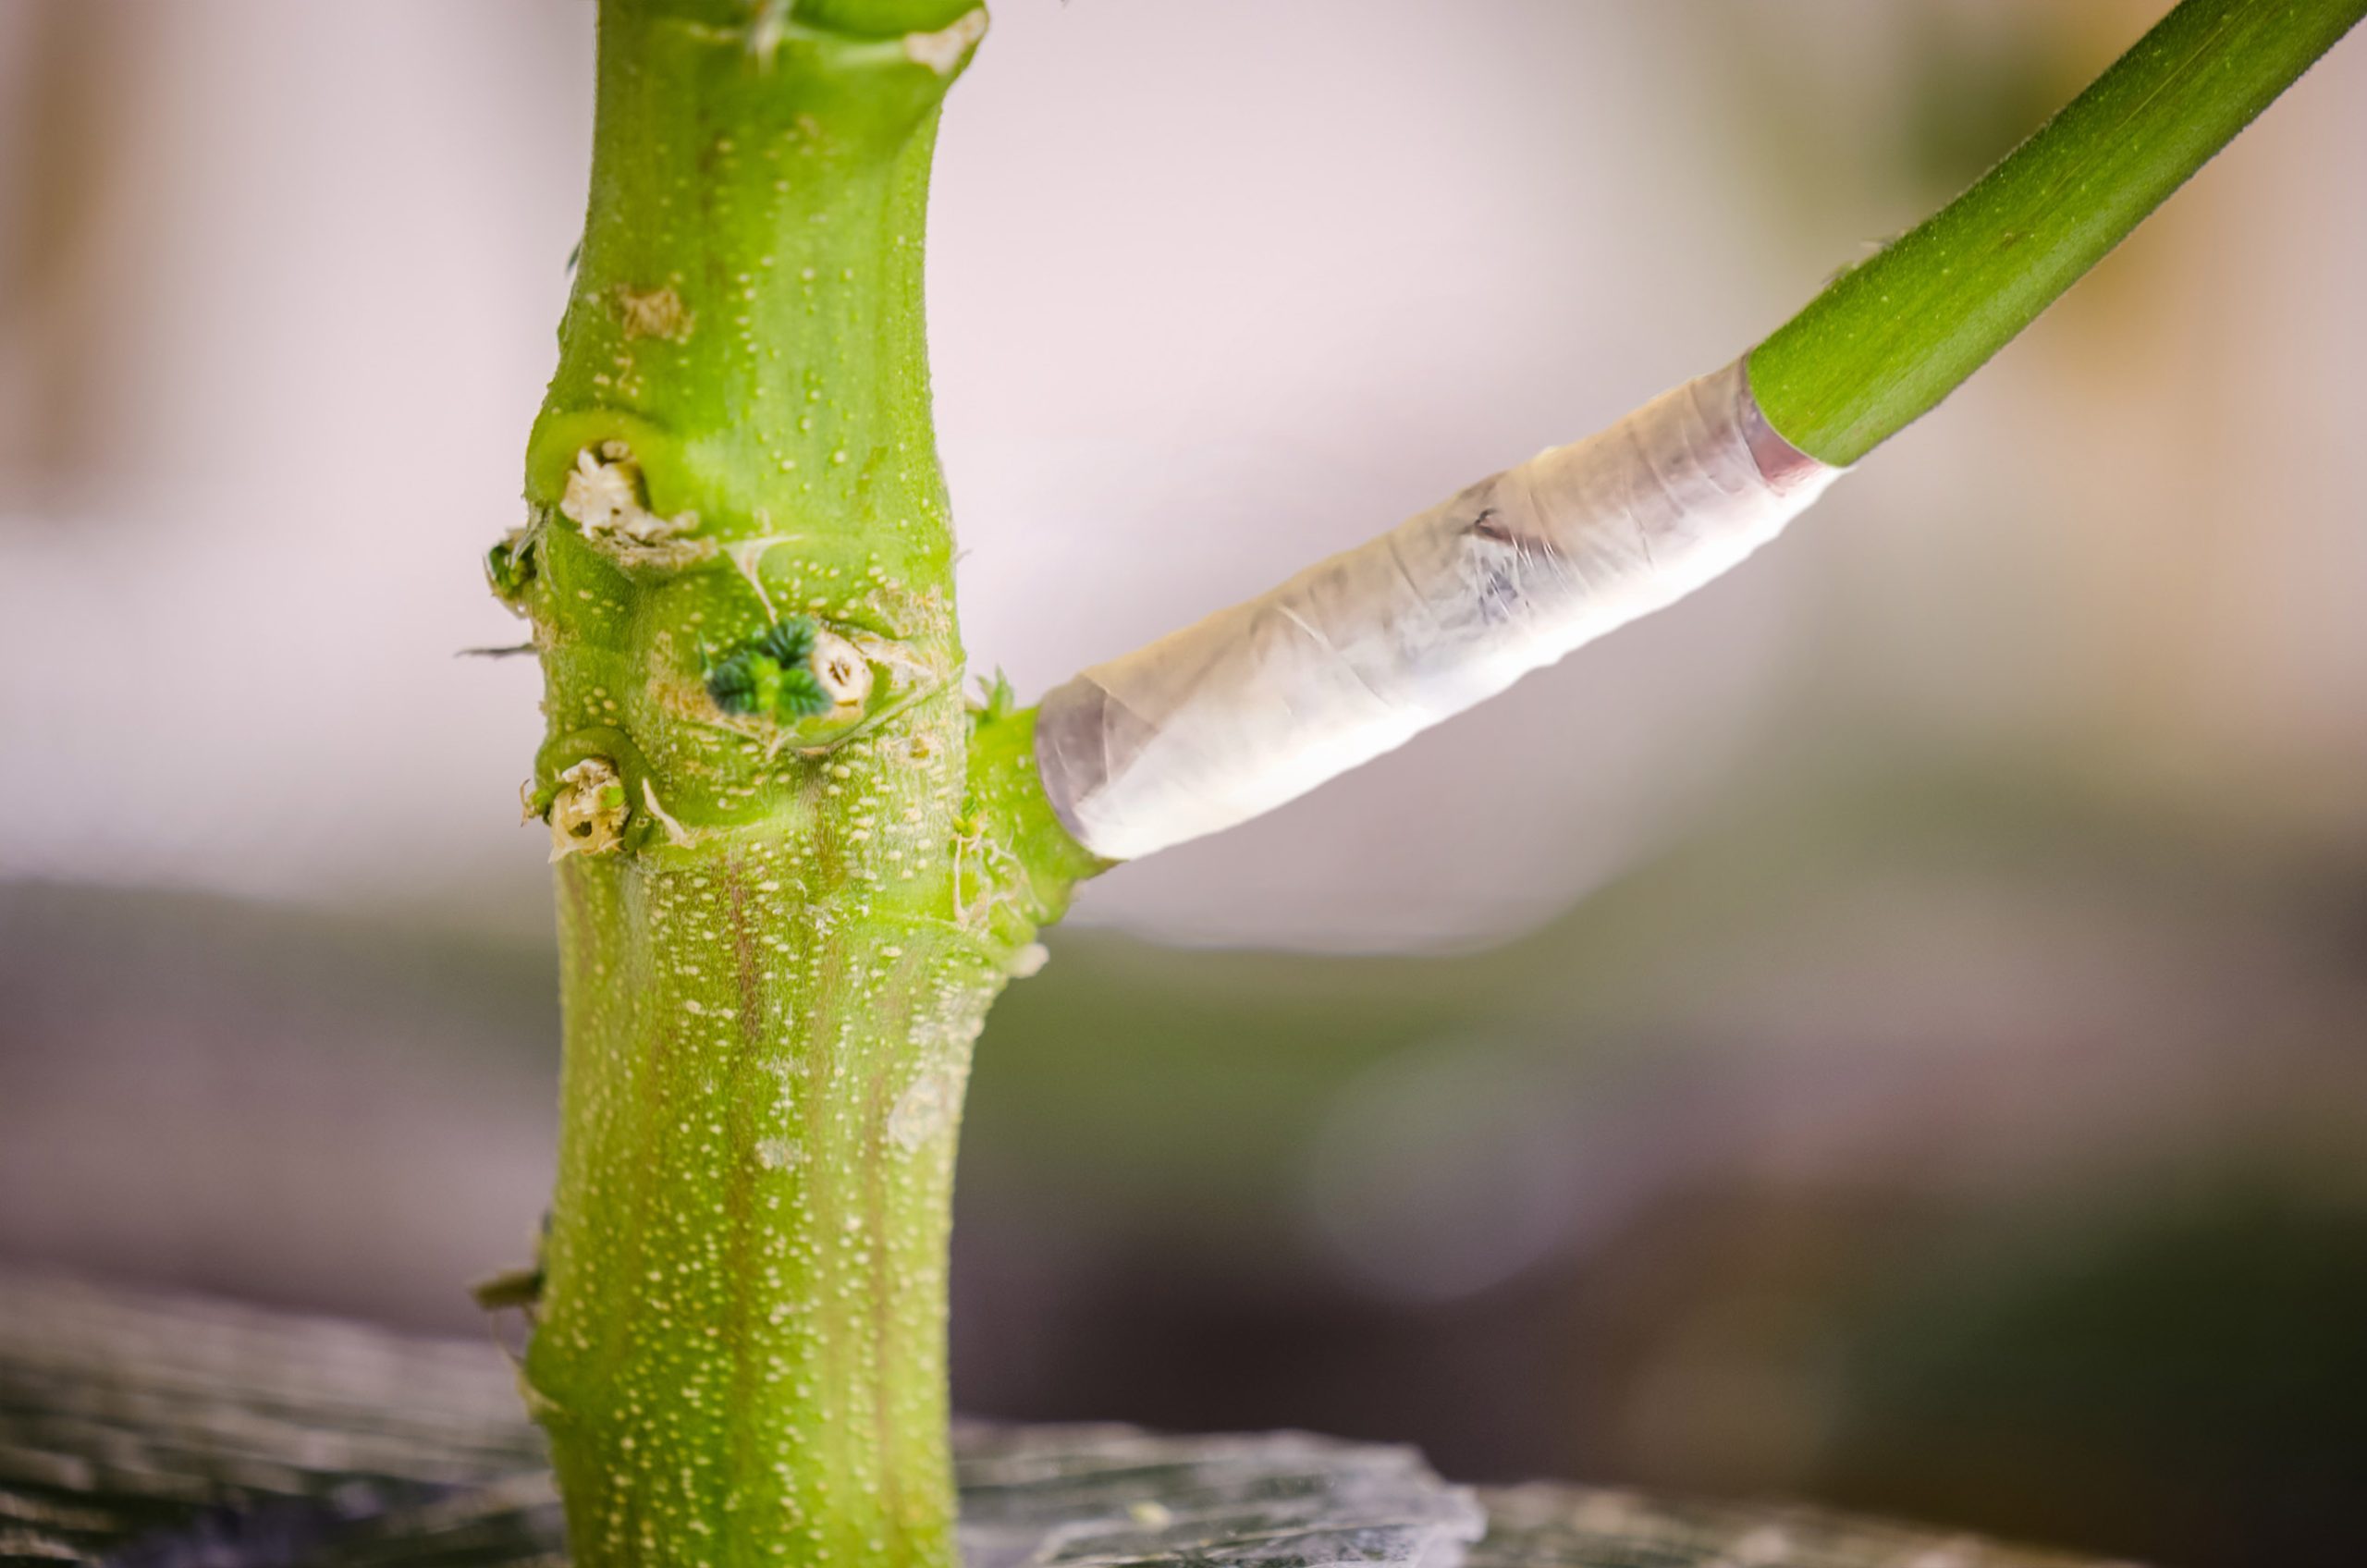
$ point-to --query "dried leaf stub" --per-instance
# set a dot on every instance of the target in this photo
(587, 815)
(604, 498)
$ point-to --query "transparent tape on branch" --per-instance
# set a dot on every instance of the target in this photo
(1258, 703)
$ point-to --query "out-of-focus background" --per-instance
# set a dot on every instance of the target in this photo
(1892, 1029)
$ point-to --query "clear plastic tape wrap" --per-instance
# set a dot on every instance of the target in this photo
(1258, 703)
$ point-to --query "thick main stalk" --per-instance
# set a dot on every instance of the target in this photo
(781, 916)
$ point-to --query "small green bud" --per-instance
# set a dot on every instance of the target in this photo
(800, 694)
(510, 566)
(1001, 699)
(787, 643)
(732, 684)
(772, 673)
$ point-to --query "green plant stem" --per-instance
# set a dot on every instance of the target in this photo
(1890, 339)
(779, 930)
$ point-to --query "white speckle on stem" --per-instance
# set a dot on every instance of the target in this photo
(926, 1110)
(653, 312)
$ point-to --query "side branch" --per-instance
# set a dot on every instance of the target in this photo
(1260, 704)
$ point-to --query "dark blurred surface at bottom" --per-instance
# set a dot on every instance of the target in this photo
(1947, 1145)
(149, 1433)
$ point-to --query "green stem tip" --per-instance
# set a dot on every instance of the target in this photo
(1890, 339)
